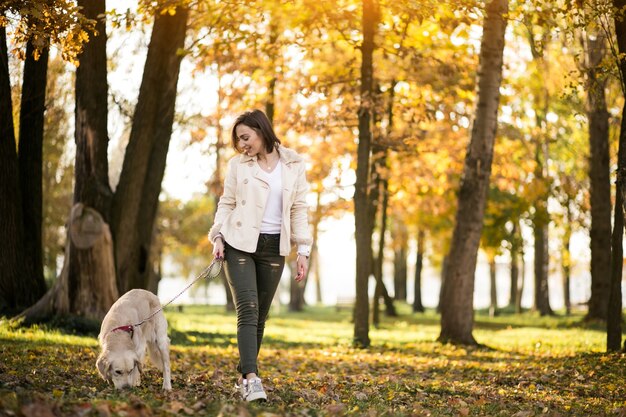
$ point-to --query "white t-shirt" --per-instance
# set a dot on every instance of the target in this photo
(273, 216)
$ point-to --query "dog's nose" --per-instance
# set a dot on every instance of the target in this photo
(125, 386)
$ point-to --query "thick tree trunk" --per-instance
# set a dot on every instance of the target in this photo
(457, 312)
(363, 222)
(137, 194)
(86, 286)
(418, 307)
(599, 177)
(30, 167)
(91, 170)
(13, 291)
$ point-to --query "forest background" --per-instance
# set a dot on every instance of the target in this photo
(441, 127)
(480, 146)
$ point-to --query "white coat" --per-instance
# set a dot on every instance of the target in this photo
(242, 205)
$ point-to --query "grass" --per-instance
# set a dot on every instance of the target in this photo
(529, 366)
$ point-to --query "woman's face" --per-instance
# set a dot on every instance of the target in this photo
(249, 141)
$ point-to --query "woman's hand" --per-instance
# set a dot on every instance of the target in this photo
(302, 266)
(218, 247)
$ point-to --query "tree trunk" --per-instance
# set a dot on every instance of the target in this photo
(30, 152)
(566, 259)
(91, 170)
(542, 300)
(86, 287)
(541, 218)
(381, 289)
(399, 262)
(418, 307)
(614, 316)
(457, 314)
(137, 194)
(444, 271)
(314, 260)
(493, 305)
(614, 312)
(514, 252)
(13, 291)
(363, 222)
(522, 281)
(599, 177)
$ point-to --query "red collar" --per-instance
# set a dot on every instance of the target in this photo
(128, 328)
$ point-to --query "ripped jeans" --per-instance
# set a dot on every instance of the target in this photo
(253, 280)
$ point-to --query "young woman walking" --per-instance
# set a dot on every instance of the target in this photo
(260, 215)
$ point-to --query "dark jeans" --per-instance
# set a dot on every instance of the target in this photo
(253, 280)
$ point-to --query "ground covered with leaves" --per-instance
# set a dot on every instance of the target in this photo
(528, 366)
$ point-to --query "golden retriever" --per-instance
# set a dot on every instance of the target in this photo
(124, 344)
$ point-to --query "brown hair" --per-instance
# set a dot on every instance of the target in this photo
(257, 121)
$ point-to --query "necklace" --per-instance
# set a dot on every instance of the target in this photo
(268, 166)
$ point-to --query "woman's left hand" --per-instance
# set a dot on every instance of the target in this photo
(302, 266)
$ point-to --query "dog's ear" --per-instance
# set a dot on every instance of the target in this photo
(139, 366)
(104, 368)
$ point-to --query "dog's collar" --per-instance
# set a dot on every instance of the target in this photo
(128, 328)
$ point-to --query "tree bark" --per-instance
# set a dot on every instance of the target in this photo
(522, 281)
(457, 314)
(541, 217)
(599, 177)
(13, 292)
(137, 195)
(399, 262)
(614, 312)
(566, 259)
(86, 287)
(30, 157)
(514, 252)
(418, 307)
(363, 222)
(493, 305)
(91, 170)
(542, 297)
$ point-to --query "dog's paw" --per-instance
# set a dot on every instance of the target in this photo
(167, 386)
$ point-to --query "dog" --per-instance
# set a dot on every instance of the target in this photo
(124, 343)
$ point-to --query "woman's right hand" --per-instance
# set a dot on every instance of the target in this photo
(218, 248)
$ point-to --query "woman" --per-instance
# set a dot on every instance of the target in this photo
(261, 213)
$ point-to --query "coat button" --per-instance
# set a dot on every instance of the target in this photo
(245, 181)
(243, 202)
(238, 224)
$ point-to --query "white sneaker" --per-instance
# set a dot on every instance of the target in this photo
(242, 386)
(252, 390)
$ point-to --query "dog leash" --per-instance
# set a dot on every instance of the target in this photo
(208, 272)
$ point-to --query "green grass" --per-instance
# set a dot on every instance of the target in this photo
(528, 366)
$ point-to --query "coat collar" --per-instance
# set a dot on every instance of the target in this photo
(287, 156)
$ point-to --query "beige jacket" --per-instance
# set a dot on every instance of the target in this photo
(242, 205)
